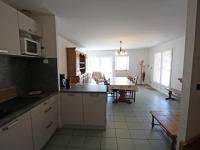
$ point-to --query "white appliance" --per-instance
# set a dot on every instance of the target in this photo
(30, 47)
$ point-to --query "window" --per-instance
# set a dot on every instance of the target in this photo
(101, 64)
(162, 67)
(157, 67)
(121, 62)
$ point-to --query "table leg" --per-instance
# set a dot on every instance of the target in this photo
(152, 123)
(115, 96)
(122, 97)
(170, 96)
(134, 95)
(173, 146)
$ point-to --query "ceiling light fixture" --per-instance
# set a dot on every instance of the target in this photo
(121, 52)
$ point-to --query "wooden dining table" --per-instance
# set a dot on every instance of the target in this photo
(123, 85)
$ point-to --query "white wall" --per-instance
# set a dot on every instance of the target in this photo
(62, 44)
(178, 49)
(135, 56)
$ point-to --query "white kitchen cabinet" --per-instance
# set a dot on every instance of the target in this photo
(17, 135)
(29, 25)
(94, 109)
(71, 109)
(9, 31)
(44, 121)
(48, 24)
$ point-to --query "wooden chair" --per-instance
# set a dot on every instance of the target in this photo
(134, 80)
(98, 77)
(192, 144)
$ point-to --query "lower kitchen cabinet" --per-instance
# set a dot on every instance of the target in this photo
(94, 106)
(71, 109)
(83, 110)
(44, 122)
(17, 135)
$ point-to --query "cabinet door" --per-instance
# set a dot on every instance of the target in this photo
(71, 109)
(94, 109)
(9, 31)
(17, 135)
(29, 25)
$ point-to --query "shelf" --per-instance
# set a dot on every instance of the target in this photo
(82, 62)
(82, 68)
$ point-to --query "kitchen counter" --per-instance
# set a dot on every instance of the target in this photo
(18, 107)
(85, 89)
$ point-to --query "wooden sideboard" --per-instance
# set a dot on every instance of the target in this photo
(76, 65)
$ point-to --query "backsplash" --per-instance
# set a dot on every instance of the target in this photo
(28, 73)
(44, 76)
(14, 71)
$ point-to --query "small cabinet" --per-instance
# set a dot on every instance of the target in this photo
(71, 109)
(83, 110)
(94, 109)
(9, 31)
(29, 25)
(44, 121)
(17, 135)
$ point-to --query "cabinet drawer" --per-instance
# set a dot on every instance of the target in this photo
(44, 107)
(44, 122)
(17, 135)
(51, 121)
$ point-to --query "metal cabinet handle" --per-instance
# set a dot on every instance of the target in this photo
(70, 94)
(3, 51)
(48, 109)
(94, 95)
(10, 126)
(49, 125)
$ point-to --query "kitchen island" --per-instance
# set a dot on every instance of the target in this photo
(83, 106)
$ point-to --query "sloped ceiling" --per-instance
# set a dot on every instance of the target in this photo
(101, 24)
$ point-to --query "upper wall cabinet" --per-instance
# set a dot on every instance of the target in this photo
(29, 25)
(48, 23)
(9, 31)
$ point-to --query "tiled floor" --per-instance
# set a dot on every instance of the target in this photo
(128, 127)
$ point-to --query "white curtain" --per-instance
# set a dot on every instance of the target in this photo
(103, 64)
(162, 67)
(157, 67)
(122, 63)
(166, 67)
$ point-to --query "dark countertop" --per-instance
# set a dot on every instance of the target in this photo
(20, 109)
(85, 89)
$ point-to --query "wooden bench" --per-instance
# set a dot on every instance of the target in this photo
(173, 92)
(169, 121)
(191, 144)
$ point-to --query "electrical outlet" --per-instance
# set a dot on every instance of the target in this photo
(46, 61)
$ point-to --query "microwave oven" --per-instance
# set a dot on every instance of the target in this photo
(30, 47)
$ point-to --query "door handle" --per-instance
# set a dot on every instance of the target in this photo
(70, 94)
(94, 95)
(49, 125)
(48, 109)
(13, 124)
(3, 51)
